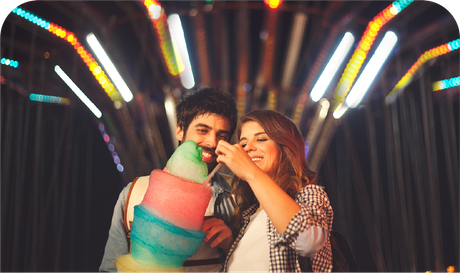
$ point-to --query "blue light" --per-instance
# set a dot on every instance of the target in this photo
(27, 16)
(23, 13)
(120, 167)
(15, 9)
(47, 25)
(3, 61)
(35, 19)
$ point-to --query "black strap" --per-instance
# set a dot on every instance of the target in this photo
(202, 262)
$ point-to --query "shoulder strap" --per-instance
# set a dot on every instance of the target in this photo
(135, 196)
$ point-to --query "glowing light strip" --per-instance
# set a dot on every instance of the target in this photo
(360, 54)
(372, 68)
(87, 58)
(307, 86)
(78, 92)
(428, 55)
(160, 23)
(49, 99)
(108, 65)
(177, 33)
(9, 62)
(332, 66)
(447, 83)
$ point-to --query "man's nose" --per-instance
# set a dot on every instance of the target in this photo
(211, 141)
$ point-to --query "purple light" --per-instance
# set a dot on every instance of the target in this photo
(111, 147)
(120, 167)
(116, 159)
(101, 127)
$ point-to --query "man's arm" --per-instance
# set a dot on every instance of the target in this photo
(118, 242)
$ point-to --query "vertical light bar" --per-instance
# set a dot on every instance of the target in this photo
(109, 67)
(78, 92)
(372, 68)
(177, 34)
(332, 67)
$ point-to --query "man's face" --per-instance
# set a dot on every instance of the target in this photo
(206, 130)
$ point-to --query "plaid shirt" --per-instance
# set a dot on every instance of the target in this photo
(315, 210)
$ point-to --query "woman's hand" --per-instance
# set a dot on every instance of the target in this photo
(213, 227)
(237, 160)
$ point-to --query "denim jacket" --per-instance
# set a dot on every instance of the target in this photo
(118, 241)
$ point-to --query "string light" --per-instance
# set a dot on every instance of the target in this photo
(49, 99)
(447, 83)
(9, 62)
(160, 23)
(69, 37)
(368, 38)
(110, 145)
(426, 56)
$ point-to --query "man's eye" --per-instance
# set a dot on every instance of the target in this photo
(223, 137)
(202, 130)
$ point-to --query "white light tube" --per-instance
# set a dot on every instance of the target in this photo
(109, 67)
(177, 35)
(332, 66)
(340, 110)
(78, 92)
(372, 68)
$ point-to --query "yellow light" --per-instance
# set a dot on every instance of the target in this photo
(451, 268)
(70, 38)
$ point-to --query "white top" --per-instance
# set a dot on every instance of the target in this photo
(252, 252)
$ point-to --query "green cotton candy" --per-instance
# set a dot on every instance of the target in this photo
(187, 163)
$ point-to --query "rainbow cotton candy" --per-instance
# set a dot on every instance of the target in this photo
(166, 227)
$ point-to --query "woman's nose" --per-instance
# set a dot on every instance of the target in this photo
(249, 146)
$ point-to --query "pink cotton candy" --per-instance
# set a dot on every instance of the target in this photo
(181, 202)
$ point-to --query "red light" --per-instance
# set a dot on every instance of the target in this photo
(2, 80)
(273, 4)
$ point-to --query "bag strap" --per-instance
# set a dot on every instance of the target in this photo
(135, 196)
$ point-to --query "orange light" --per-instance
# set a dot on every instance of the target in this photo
(273, 4)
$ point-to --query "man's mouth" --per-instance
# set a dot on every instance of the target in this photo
(207, 156)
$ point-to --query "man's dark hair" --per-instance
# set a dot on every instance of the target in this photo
(206, 101)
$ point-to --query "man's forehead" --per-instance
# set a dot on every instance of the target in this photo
(210, 119)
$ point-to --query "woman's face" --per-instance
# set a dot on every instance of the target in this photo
(262, 149)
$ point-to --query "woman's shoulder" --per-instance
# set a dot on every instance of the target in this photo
(312, 192)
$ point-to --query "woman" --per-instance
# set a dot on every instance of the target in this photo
(281, 212)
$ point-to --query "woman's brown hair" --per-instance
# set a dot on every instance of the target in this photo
(292, 171)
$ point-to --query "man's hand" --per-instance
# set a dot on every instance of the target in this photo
(217, 230)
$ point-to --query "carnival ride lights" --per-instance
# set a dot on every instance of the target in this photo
(447, 83)
(180, 49)
(160, 23)
(9, 62)
(332, 66)
(78, 92)
(368, 75)
(109, 67)
(428, 55)
(360, 53)
(111, 146)
(49, 99)
(68, 36)
(273, 4)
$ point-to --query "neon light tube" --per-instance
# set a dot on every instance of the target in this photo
(372, 68)
(180, 48)
(109, 67)
(78, 92)
(332, 67)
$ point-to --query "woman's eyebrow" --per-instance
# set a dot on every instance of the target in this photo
(256, 134)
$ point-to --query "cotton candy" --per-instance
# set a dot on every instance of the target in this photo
(166, 227)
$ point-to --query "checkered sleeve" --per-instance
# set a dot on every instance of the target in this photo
(315, 210)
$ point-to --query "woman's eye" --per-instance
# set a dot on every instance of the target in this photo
(262, 139)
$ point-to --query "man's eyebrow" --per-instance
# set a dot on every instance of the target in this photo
(203, 125)
(209, 127)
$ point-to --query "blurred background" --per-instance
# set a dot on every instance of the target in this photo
(373, 86)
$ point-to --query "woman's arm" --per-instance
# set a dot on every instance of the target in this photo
(278, 205)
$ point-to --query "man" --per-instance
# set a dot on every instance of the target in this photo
(206, 116)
